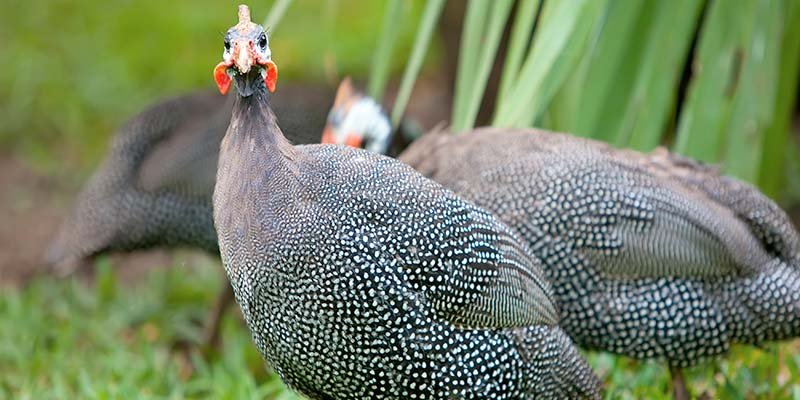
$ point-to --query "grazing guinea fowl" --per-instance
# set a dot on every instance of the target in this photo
(359, 278)
(154, 188)
(650, 255)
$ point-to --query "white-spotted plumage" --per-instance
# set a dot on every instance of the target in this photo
(359, 278)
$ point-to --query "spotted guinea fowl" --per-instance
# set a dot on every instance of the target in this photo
(154, 188)
(359, 278)
(651, 255)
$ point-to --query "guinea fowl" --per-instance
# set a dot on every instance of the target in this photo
(154, 188)
(650, 255)
(359, 278)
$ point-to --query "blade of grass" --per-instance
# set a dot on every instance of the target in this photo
(591, 17)
(754, 100)
(430, 15)
(518, 44)
(776, 139)
(276, 14)
(605, 57)
(654, 93)
(497, 22)
(563, 109)
(468, 53)
(703, 119)
(382, 59)
(554, 53)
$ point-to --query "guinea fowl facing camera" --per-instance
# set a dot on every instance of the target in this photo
(650, 255)
(359, 278)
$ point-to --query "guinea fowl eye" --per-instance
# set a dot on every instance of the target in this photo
(262, 41)
(227, 44)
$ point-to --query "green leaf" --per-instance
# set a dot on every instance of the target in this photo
(703, 122)
(382, 59)
(497, 22)
(276, 14)
(520, 37)
(471, 37)
(754, 106)
(605, 57)
(654, 93)
(556, 49)
(776, 138)
(732, 98)
(430, 15)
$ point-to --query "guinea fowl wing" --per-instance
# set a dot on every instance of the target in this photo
(475, 271)
(763, 217)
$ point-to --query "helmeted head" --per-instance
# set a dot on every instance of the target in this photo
(246, 58)
(357, 120)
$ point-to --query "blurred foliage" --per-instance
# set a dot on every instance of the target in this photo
(715, 82)
(73, 71)
(63, 340)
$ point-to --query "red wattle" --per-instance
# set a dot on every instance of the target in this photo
(271, 79)
(221, 77)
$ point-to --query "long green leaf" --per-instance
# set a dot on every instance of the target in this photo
(731, 102)
(276, 14)
(704, 117)
(564, 109)
(518, 44)
(754, 106)
(654, 93)
(564, 28)
(776, 139)
(604, 58)
(497, 22)
(468, 53)
(430, 15)
(382, 59)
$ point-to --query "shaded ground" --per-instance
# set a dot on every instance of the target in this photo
(32, 206)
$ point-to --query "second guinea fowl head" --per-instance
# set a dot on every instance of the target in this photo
(246, 58)
(357, 120)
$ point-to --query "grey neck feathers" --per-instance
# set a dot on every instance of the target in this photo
(254, 122)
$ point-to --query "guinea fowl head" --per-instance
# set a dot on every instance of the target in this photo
(246, 59)
(357, 120)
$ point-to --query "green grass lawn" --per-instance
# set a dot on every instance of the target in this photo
(66, 339)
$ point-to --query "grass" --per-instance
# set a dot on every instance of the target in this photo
(66, 339)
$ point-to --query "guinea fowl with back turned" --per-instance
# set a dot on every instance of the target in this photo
(359, 278)
(650, 255)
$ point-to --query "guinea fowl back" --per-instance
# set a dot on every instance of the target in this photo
(650, 255)
(155, 186)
